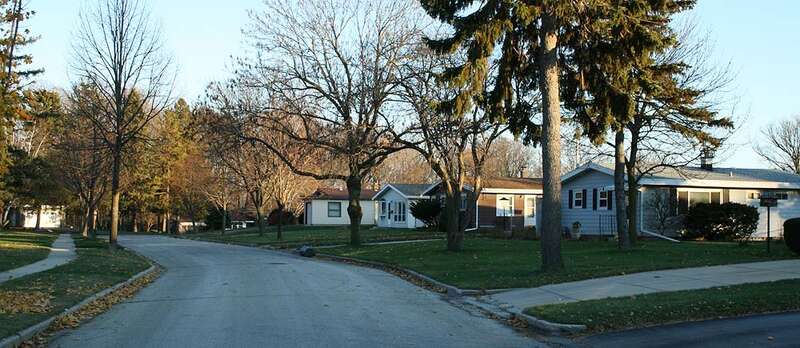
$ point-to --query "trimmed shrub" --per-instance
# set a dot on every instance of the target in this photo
(725, 222)
(427, 211)
(791, 234)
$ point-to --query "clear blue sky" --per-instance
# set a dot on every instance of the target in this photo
(761, 40)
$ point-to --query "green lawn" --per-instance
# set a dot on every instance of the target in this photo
(494, 263)
(294, 236)
(19, 248)
(678, 306)
(52, 291)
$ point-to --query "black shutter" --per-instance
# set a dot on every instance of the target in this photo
(584, 200)
(594, 199)
(610, 199)
(570, 199)
(673, 201)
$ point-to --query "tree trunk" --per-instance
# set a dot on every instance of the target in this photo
(354, 209)
(260, 218)
(85, 222)
(551, 147)
(452, 203)
(619, 190)
(134, 222)
(280, 221)
(93, 220)
(224, 213)
(633, 182)
(38, 218)
(115, 195)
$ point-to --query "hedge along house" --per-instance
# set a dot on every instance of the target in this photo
(328, 207)
(667, 195)
(393, 202)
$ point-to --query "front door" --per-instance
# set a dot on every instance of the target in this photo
(530, 210)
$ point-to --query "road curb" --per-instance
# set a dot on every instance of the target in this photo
(551, 327)
(16, 339)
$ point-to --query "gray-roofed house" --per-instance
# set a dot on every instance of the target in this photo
(666, 195)
(393, 202)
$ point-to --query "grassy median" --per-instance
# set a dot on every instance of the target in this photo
(294, 236)
(494, 263)
(677, 306)
(28, 300)
(18, 248)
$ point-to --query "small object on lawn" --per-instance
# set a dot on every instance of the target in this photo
(306, 251)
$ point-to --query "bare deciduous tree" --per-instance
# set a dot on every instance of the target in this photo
(330, 69)
(781, 145)
(118, 53)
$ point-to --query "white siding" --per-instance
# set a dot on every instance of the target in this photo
(394, 196)
(786, 209)
(589, 218)
(51, 218)
(319, 213)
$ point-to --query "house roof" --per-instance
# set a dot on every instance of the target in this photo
(716, 177)
(513, 183)
(406, 190)
(332, 193)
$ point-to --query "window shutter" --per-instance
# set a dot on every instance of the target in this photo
(570, 199)
(584, 200)
(610, 198)
(594, 199)
(673, 201)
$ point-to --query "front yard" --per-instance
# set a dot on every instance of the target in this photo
(28, 300)
(496, 264)
(18, 248)
(678, 306)
(294, 236)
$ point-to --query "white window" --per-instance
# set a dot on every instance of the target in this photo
(383, 210)
(400, 212)
(577, 200)
(689, 198)
(505, 205)
(334, 209)
(602, 200)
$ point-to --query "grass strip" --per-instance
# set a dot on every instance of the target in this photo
(94, 269)
(676, 306)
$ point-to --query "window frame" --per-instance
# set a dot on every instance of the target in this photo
(339, 204)
(602, 199)
(684, 209)
(382, 212)
(575, 199)
(501, 213)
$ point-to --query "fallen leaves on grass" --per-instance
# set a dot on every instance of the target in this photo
(14, 302)
(92, 309)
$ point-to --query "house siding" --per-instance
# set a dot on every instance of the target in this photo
(594, 222)
(318, 214)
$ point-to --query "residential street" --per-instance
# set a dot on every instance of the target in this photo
(771, 330)
(215, 295)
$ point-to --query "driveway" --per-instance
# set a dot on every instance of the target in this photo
(771, 330)
(214, 295)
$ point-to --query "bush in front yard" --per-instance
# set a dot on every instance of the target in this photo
(727, 222)
(791, 234)
(427, 211)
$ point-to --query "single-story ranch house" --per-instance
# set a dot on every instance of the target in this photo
(503, 203)
(666, 195)
(328, 206)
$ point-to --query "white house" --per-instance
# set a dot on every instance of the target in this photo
(393, 201)
(51, 217)
(587, 196)
(328, 206)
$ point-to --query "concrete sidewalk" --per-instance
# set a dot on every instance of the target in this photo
(649, 282)
(61, 252)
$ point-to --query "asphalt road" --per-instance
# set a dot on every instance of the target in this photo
(215, 295)
(771, 330)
